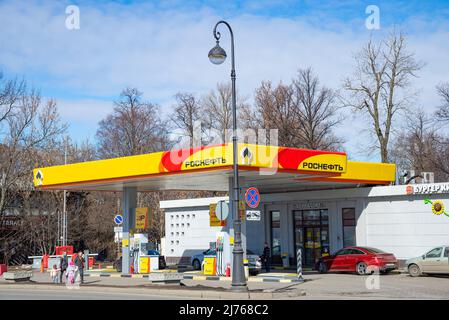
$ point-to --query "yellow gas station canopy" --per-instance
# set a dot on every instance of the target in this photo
(271, 168)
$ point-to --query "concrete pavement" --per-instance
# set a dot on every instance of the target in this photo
(23, 292)
(188, 289)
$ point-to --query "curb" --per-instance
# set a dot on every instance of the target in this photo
(196, 278)
(253, 279)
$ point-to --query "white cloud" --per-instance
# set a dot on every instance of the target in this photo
(163, 52)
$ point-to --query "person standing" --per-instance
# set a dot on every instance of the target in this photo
(79, 262)
(71, 273)
(267, 257)
(63, 264)
(54, 274)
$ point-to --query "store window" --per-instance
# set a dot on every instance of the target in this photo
(275, 235)
(349, 223)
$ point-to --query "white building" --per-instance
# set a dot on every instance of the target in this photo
(397, 219)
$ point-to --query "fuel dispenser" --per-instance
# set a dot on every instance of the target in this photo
(141, 261)
(223, 249)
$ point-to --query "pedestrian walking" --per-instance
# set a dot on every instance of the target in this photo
(79, 262)
(63, 264)
(54, 274)
(266, 257)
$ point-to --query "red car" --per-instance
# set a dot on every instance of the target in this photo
(358, 259)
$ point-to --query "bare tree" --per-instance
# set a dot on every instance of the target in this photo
(378, 87)
(275, 107)
(442, 114)
(414, 145)
(303, 112)
(134, 127)
(217, 112)
(315, 111)
(10, 92)
(30, 125)
(186, 115)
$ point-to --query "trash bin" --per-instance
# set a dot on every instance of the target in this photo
(285, 260)
(91, 262)
(3, 268)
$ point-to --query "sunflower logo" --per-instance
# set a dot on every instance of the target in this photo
(437, 206)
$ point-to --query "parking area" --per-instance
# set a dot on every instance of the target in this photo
(352, 286)
(392, 286)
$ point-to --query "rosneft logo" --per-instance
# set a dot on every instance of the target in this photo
(247, 156)
(39, 178)
(322, 166)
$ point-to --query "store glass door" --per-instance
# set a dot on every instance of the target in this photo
(312, 245)
(311, 235)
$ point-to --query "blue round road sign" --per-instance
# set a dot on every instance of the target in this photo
(252, 197)
(118, 219)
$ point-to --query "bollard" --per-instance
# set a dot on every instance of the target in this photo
(299, 264)
(246, 268)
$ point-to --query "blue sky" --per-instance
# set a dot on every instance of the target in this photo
(161, 48)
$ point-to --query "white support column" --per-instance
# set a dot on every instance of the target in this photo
(129, 202)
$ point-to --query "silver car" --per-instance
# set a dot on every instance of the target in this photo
(435, 261)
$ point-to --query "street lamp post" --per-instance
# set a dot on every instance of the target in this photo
(217, 55)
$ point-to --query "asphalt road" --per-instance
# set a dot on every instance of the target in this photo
(317, 286)
(77, 294)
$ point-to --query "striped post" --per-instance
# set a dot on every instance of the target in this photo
(299, 264)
